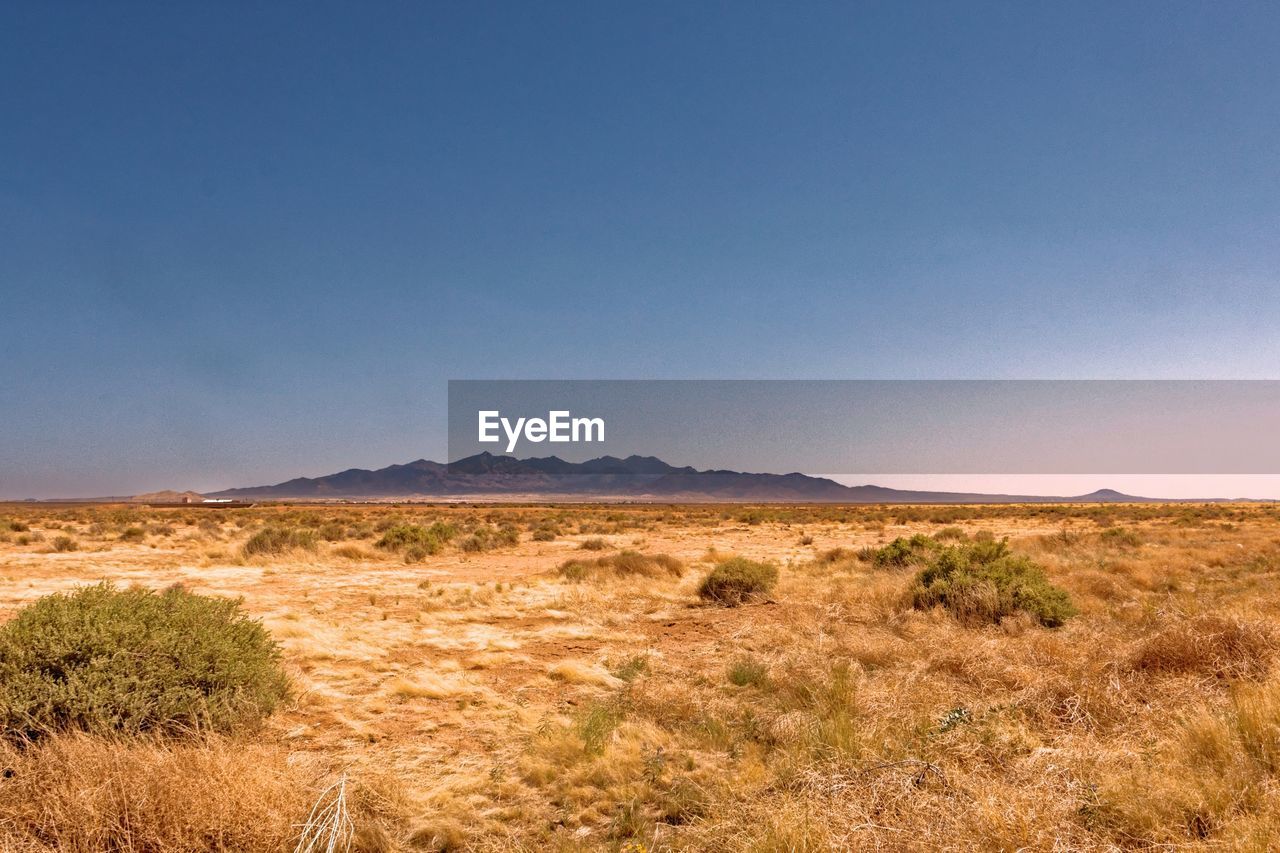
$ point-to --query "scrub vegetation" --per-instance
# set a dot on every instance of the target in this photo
(643, 677)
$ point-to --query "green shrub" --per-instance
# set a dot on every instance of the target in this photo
(901, 552)
(737, 580)
(420, 540)
(278, 540)
(624, 564)
(983, 583)
(104, 660)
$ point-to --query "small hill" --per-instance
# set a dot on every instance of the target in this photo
(168, 496)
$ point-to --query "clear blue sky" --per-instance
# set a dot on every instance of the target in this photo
(241, 242)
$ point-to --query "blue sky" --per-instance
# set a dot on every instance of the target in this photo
(241, 243)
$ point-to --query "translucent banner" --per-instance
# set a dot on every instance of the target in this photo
(853, 426)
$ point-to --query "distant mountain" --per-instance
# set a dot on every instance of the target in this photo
(636, 478)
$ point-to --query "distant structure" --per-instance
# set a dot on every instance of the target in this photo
(194, 500)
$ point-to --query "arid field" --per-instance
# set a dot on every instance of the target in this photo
(549, 678)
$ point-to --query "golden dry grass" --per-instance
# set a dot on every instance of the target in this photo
(482, 701)
(83, 794)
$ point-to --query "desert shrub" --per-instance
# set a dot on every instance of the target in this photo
(1062, 540)
(545, 530)
(421, 540)
(748, 671)
(278, 540)
(418, 553)
(332, 532)
(488, 537)
(950, 534)
(105, 660)
(596, 544)
(737, 580)
(833, 555)
(1225, 647)
(19, 526)
(806, 540)
(1120, 537)
(900, 552)
(64, 543)
(623, 564)
(984, 582)
(133, 534)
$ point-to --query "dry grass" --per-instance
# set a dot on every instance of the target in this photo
(627, 564)
(80, 794)
(1210, 644)
(77, 793)
(481, 700)
(578, 672)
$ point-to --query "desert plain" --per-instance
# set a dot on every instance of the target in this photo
(547, 677)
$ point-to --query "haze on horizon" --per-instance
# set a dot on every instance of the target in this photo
(240, 245)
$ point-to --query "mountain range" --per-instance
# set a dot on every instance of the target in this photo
(635, 478)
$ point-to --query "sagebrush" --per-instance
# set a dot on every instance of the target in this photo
(109, 661)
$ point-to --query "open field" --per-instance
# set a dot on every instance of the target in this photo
(476, 697)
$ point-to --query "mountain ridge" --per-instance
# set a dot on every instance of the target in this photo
(635, 477)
